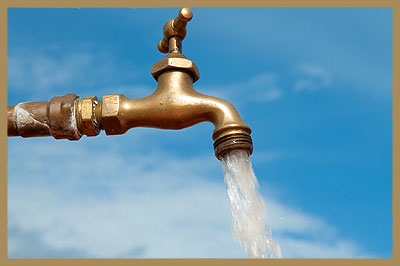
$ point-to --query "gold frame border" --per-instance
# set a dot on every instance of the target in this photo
(4, 4)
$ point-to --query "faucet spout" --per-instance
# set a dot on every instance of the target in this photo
(176, 105)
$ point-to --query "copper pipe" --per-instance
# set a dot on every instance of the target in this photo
(12, 127)
(48, 118)
(175, 104)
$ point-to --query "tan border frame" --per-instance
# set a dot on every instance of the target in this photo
(4, 4)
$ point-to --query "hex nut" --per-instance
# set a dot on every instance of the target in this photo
(175, 63)
(110, 119)
(88, 123)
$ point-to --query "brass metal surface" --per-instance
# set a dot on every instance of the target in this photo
(175, 27)
(232, 142)
(175, 61)
(86, 116)
(174, 105)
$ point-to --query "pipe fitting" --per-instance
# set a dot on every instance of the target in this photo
(111, 116)
(61, 116)
(87, 115)
(233, 141)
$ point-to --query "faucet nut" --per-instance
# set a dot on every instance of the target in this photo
(177, 63)
(87, 121)
(110, 115)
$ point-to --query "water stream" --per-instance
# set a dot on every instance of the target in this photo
(248, 207)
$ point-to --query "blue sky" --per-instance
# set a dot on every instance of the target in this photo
(314, 84)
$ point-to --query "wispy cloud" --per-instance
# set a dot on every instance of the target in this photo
(37, 74)
(365, 68)
(79, 201)
(311, 77)
(267, 156)
(323, 249)
(160, 205)
(260, 88)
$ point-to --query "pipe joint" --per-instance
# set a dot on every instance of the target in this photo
(88, 115)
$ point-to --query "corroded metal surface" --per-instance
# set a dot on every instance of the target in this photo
(62, 120)
(29, 119)
(47, 118)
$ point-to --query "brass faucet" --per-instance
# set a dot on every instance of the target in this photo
(175, 104)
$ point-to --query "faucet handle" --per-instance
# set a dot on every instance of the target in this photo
(175, 28)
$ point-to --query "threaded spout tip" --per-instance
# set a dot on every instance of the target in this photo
(232, 142)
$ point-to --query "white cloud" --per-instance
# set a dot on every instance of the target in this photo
(320, 249)
(312, 77)
(269, 156)
(39, 74)
(44, 75)
(288, 220)
(89, 199)
(271, 95)
(260, 88)
(264, 88)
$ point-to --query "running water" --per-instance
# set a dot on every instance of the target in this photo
(248, 207)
